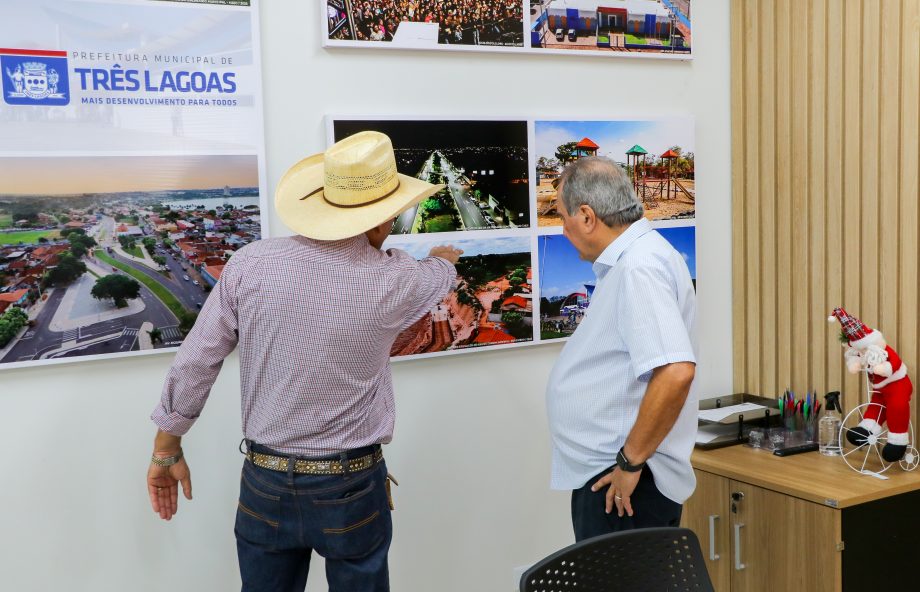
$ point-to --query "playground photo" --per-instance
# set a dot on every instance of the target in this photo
(658, 156)
(482, 163)
(426, 23)
(615, 26)
(491, 304)
(567, 281)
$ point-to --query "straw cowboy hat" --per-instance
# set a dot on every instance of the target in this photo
(347, 190)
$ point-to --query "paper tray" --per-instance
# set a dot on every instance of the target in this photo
(729, 409)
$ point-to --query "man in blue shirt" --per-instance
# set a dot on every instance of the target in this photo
(621, 412)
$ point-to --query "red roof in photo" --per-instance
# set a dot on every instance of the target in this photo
(121, 228)
(587, 143)
(490, 335)
(214, 271)
(670, 154)
(13, 296)
(515, 301)
(75, 224)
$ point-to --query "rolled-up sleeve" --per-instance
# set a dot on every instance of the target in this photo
(201, 356)
(650, 321)
(434, 279)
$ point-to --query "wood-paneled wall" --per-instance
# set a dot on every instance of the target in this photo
(825, 161)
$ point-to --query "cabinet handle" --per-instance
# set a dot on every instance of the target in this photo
(738, 565)
(713, 556)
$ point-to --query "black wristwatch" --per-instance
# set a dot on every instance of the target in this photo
(625, 465)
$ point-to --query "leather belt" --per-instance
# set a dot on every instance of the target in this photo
(315, 467)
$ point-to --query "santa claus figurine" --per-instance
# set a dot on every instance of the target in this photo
(891, 387)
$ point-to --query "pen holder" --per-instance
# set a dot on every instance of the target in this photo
(796, 438)
(811, 429)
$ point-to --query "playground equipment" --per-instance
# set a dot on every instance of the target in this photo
(652, 183)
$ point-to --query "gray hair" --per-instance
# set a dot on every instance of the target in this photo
(600, 184)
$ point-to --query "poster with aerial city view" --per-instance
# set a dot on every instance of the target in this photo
(612, 28)
(519, 280)
(132, 168)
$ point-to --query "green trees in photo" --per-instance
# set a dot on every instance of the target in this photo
(127, 242)
(11, 322)
(67, 270)
(187, 321)
(515, 325)
(565, 153)
(119, 288)
(80, 244)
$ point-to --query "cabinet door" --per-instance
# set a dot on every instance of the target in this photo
(781, 542)
(706, 513)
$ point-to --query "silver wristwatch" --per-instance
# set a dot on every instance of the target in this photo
(166, 462)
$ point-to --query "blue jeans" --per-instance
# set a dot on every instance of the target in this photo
(282, 517)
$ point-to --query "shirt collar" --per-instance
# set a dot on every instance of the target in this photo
(355, 250)
(615, 250)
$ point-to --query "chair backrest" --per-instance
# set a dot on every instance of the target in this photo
(642, 560)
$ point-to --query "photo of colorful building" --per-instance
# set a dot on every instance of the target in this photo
(619, 25)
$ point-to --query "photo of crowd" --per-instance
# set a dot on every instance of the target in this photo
(464, 22)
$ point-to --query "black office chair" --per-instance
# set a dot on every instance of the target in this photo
(643, 560)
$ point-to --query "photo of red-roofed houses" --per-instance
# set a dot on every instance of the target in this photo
(491, 305)
(114, 255)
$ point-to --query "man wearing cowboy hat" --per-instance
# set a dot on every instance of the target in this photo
(317, 395)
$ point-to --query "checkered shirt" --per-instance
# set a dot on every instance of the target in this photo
(314, 322)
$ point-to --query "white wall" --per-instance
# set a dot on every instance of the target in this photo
(471, 447)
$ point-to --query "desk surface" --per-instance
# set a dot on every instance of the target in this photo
(811, 476)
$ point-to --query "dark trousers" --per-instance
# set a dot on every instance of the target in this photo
(650, 509)
(283, 517)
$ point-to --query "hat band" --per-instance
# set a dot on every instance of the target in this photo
(351, 206)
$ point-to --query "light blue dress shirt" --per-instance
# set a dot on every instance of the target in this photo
(642, 316)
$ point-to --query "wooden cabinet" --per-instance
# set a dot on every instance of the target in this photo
(805, 522)
(782, 542)
(707, 514)
(755, 539)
